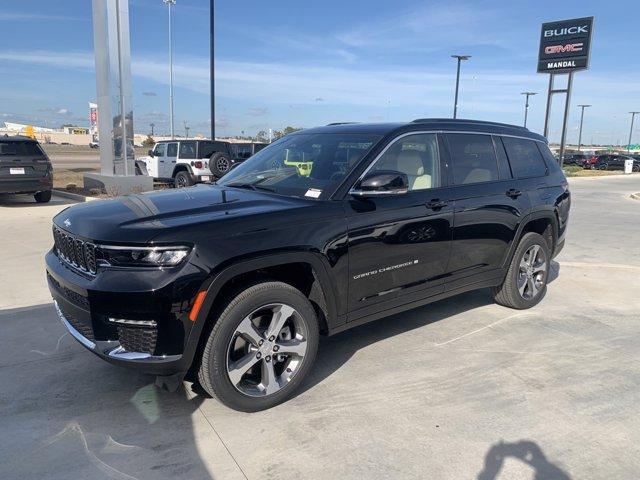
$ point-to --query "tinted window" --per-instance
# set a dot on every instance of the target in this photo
(172, 150)
(11, 148)
(187, 150)
(417, 157)
(33, 149)
(525, 158)
(209, 148)
(549, 159)
(473, 158)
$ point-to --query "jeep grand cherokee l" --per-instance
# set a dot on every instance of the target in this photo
(25, 168)
(232, 284)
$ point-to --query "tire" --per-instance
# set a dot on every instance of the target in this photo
(219, 164)
(182, 179)
(43, 197)
(635, 168)
(226, 348)
(535, 286)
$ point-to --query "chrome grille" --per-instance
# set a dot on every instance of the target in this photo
(75, 252)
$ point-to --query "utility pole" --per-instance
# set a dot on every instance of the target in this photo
(211, 67)
(633, 116)
(581, 122)
(169, 3)
(152, 125)
(460, 58)
(526, 106)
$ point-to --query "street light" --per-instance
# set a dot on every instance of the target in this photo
(186, 129)
(633, 116)
(455, 102)
(169, 4)
(526, 105)
(212, 86)
(581, 121)
(152, 125)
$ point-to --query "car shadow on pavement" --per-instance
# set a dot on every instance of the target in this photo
(526, 451)
(336, 350)
(66, 414)
(24, 201)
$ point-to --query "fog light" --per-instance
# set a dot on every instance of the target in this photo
(135, 323)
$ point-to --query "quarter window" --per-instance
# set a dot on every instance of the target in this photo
(473, 158)
(187, 150)
(417, 157)
(525, 158)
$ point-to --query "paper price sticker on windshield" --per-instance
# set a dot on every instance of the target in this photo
(313, 193)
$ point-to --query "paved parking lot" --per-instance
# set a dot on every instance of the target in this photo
(459, 389)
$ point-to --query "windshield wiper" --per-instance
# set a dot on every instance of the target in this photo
(250, 186)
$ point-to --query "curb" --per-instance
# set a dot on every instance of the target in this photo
(72, 196)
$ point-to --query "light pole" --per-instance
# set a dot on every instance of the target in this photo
(455, 102)
(186, 130)
(152, 125)
(169, 4)
(633, 116)
(211, 67)
(581, 122)
(526, 105)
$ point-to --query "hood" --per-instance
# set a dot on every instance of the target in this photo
(140, 218)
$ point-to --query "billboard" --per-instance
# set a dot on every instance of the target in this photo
(565, 45)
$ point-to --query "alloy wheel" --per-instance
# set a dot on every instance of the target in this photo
(266, 350)
(531, 275)
(222, 164)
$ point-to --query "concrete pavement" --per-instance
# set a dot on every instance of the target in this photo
(459, 389)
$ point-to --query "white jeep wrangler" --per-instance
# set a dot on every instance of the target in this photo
(186, 162)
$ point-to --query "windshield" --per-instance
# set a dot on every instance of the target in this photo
(304, 165)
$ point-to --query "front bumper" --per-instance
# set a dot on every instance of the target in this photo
(86, 305)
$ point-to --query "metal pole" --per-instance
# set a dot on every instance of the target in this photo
(633, 116)
(581, 122)
(169, 3)
(526, 106)
(565, 118)
(548, 113)
(211, 67)
(455, 102)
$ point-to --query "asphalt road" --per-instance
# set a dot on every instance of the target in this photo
(459, 389)
(86, 160)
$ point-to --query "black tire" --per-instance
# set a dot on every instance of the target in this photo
(43, 197)
(219, 164)
(508, 293)
(213, 375)
(635, 168)
(182, 179)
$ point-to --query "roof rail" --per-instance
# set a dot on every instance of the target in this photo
(340, 123)
(467, 121)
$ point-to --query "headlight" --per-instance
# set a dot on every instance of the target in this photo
(142, 256)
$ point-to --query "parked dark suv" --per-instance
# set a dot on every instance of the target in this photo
(25, 168)
(232, 284)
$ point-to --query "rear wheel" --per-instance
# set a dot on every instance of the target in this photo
(43, 197)
(261, 347)
(182, 179)
(526, 281)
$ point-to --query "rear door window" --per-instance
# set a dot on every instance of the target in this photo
(503, 162)
(187, 150)
(525, 158)
(473, 158)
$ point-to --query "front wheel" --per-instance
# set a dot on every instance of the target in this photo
(526, 281)
(261, 347)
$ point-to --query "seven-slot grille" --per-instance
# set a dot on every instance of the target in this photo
(76, 252)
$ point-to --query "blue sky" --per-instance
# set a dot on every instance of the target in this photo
(310, 63)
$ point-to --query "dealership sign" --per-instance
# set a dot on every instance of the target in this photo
(565, 45)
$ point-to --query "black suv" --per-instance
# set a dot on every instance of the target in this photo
(25, 168)
(232, 284)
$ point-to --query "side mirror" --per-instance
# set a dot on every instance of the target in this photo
(382, 182)
(150, 152)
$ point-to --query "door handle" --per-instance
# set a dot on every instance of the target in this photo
(436, 204)
(513, 193)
